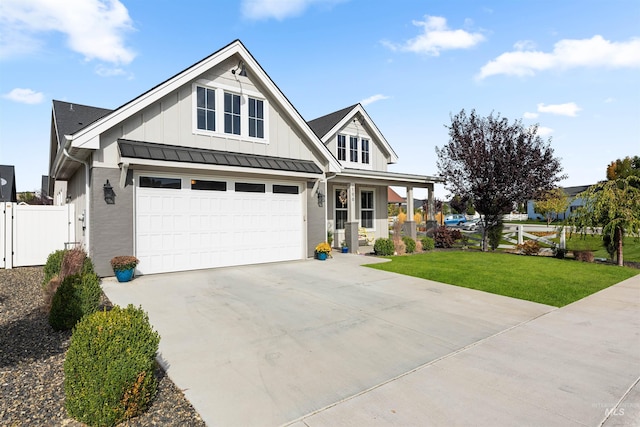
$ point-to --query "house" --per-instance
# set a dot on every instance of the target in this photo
(575, 203)
(215, 167)
(8, 184)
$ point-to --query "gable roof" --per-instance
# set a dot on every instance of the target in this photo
(7, 184)
(574, 191)
(88, 136)
(327, 126)
(393, 197)
(322, 125)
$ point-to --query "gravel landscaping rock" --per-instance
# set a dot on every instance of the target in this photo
(32, 357)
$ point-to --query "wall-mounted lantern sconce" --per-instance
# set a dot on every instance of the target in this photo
(320, 198)
(109, 195)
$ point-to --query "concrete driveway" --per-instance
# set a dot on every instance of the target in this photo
(312, 343)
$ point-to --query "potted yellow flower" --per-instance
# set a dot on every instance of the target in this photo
(323, 250)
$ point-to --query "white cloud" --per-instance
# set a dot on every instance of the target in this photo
(278, 9)
(569, 109)
(94, 28)
(24, 96)
(524, 45)
(593, 52)
(609, 100)
(103, 71)
(544, 131)
(374, 98)
(437, 37)
(528, 115)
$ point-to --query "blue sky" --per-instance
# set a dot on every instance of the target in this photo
(571, 66)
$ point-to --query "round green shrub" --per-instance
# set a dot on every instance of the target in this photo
(52, 266)
(428, 244)
(384, 246)
(76, 297)
(410, 244)
(109, 367)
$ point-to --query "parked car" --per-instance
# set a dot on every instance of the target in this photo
(455, 219)
(472, 225)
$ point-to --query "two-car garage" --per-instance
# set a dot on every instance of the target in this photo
(187, 222)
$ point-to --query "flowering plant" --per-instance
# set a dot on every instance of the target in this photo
(125, 262)
(323, 248)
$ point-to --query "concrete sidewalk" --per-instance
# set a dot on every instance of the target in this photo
(313, 343)
(575, 366)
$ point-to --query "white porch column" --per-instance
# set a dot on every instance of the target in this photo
(410, 224)
(351, 226)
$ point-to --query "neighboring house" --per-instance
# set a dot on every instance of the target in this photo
(214, 167)
(8, 184)
(575, 203)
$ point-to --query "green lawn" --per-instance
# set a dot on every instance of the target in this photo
(540, 279)
(631, 248)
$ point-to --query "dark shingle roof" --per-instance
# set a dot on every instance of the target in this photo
(324, 124)
(152, 151)
(70, 118)
(574, 191)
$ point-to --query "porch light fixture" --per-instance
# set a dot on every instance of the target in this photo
(243, 71)
(109, 195)
(320, 198)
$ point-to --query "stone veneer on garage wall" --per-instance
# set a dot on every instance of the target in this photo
(111, 225)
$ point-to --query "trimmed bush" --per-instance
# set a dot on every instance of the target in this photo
(109, 367)
(584, 256)
(428, 243)
(52, 267)
(443, 238)
(384, 247)
(494, 235)
(410, 244)
(76, 297)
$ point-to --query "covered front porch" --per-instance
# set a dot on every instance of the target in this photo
(357, 202)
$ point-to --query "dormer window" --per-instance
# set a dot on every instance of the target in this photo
(365, 151)
(353, 149)
(342, 147)
(239, 115)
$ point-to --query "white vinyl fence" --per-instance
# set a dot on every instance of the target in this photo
(28, 234)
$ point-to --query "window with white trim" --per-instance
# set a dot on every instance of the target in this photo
(341, 208)
(206, 108)
(256, 118)
(342, 147)
(353, 149)
(231, 113)
(364, 147)
(366, 208)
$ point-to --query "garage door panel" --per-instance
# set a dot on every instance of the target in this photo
(182, 229)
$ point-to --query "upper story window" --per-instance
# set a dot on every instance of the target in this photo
(342, 147)
(256, 118)
(353, 149)
(206, 108)
(231, 113)
(221, 111)
(365, 151)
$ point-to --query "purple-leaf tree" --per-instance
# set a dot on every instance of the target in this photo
(496, 164)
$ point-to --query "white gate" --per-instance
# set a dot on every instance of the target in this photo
(29, 233)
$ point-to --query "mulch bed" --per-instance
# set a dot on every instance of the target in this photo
(32, 357)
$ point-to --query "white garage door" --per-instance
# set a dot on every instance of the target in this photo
(185, 223)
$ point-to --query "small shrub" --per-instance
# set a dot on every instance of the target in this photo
(126, 262)
(109, 367)
(383, 247)
(53, 266)
(494, 234)
(559, 252)
(443, 238)
(530, 247)
(584, 256)
(419, 246)
(76, 297)
(428, 243)
(410, 244)
(399, 246)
